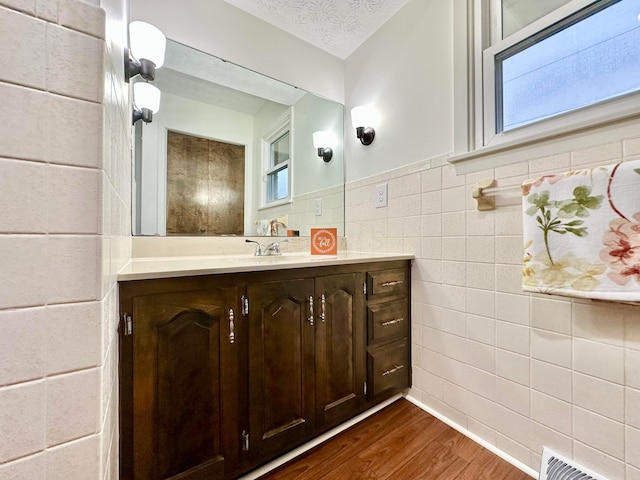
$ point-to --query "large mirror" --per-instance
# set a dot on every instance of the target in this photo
(230, 152)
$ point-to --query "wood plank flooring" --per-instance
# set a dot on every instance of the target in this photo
(401, 441)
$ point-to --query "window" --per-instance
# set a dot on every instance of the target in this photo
(277, 161)
(554, 66)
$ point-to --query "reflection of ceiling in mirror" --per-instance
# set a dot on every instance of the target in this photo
(336, 26)
(197, 75)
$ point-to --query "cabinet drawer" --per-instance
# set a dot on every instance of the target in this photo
(388, 367)
(387, 282)
(387, 321)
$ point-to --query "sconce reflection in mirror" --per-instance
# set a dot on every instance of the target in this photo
(364, 118)
(147, 47)
(324, 142)
(146, 101)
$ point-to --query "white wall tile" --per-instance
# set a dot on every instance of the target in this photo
(431, 180)
(70, 52)
(481, 249)
(73, 195)
(453, 248)
(599, 432)
(481, 329)
(79, 460)
(601, 154)
(23, 139)
(73, 406)
(598, 461)
(602, 323)
(72, 268)
(551, 347)
(509, 250)
(24, 280)
(431, 203)
(632, 454)
(27, 468)
(513, 425)
(509, 278)
(513, 396)
(22, 345)
(599, 396)
(23, 201)
(513, 366)
(551, 412)
(512, 337)
(632, 368)
(481, 302)
(22, 420)
(480, 223)
(27, 6)
(631, 147)
(512, 308)
(454, 273)
(453, 199)
(481, 275)
(453, 224)
(481, 356)
(47, 10)
(632, 407)
(82, 17)
(23, 59)
(542, 436)
(552, 380)
(554, 163)
(73, 337)
(74, 132)
(600, 360)
(551, 314)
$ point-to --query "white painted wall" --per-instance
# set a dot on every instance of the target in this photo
(406, 70)
(218, 28)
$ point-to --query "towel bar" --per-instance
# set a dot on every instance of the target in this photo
(484, 194)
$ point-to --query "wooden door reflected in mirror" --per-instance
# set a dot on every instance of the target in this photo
(205, 186)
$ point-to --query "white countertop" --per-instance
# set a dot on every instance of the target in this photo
(184, 266)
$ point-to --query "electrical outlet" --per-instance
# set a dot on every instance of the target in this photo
(318, 207)
(380, 195)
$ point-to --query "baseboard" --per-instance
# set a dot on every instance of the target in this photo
(317, 441)
(492, 448)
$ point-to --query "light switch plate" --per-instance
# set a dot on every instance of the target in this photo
(318, 207)
(380, 195)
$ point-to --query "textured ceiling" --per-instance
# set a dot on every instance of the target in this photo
(336, 26)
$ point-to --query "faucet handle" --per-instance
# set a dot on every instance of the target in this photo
(258, 246)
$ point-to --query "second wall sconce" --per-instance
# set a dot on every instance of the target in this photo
(324, 141)
(146, 100)
(147, 47)
(364, 118)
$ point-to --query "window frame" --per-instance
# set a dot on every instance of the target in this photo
(485, 29)
(280, 128)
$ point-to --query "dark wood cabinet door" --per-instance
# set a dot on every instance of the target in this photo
(340, 348)
(185, 385)
(281, 366)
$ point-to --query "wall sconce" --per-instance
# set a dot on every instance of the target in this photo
(147, 47)
(324, 141)
(146, 100)
(363, 119)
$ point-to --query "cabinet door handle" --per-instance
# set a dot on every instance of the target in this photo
(232, 327)
(392, 322)
(310, 309)
(392, 284)
(323, 308)
(393, 370)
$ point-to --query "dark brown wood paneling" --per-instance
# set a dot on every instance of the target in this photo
(340, 366)
(281, 366)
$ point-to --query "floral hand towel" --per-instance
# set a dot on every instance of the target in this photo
(582, 233)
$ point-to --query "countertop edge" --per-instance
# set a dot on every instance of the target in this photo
(172, 267)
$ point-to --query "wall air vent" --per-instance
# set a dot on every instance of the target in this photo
(556, 467)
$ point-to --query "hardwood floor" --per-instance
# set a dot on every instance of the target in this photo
(400, 442)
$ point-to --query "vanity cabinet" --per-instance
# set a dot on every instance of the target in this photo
(222, 373)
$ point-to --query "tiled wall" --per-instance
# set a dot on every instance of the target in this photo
(64, 196)
(518, 370)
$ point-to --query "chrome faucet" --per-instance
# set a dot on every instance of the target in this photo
(272, 248)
